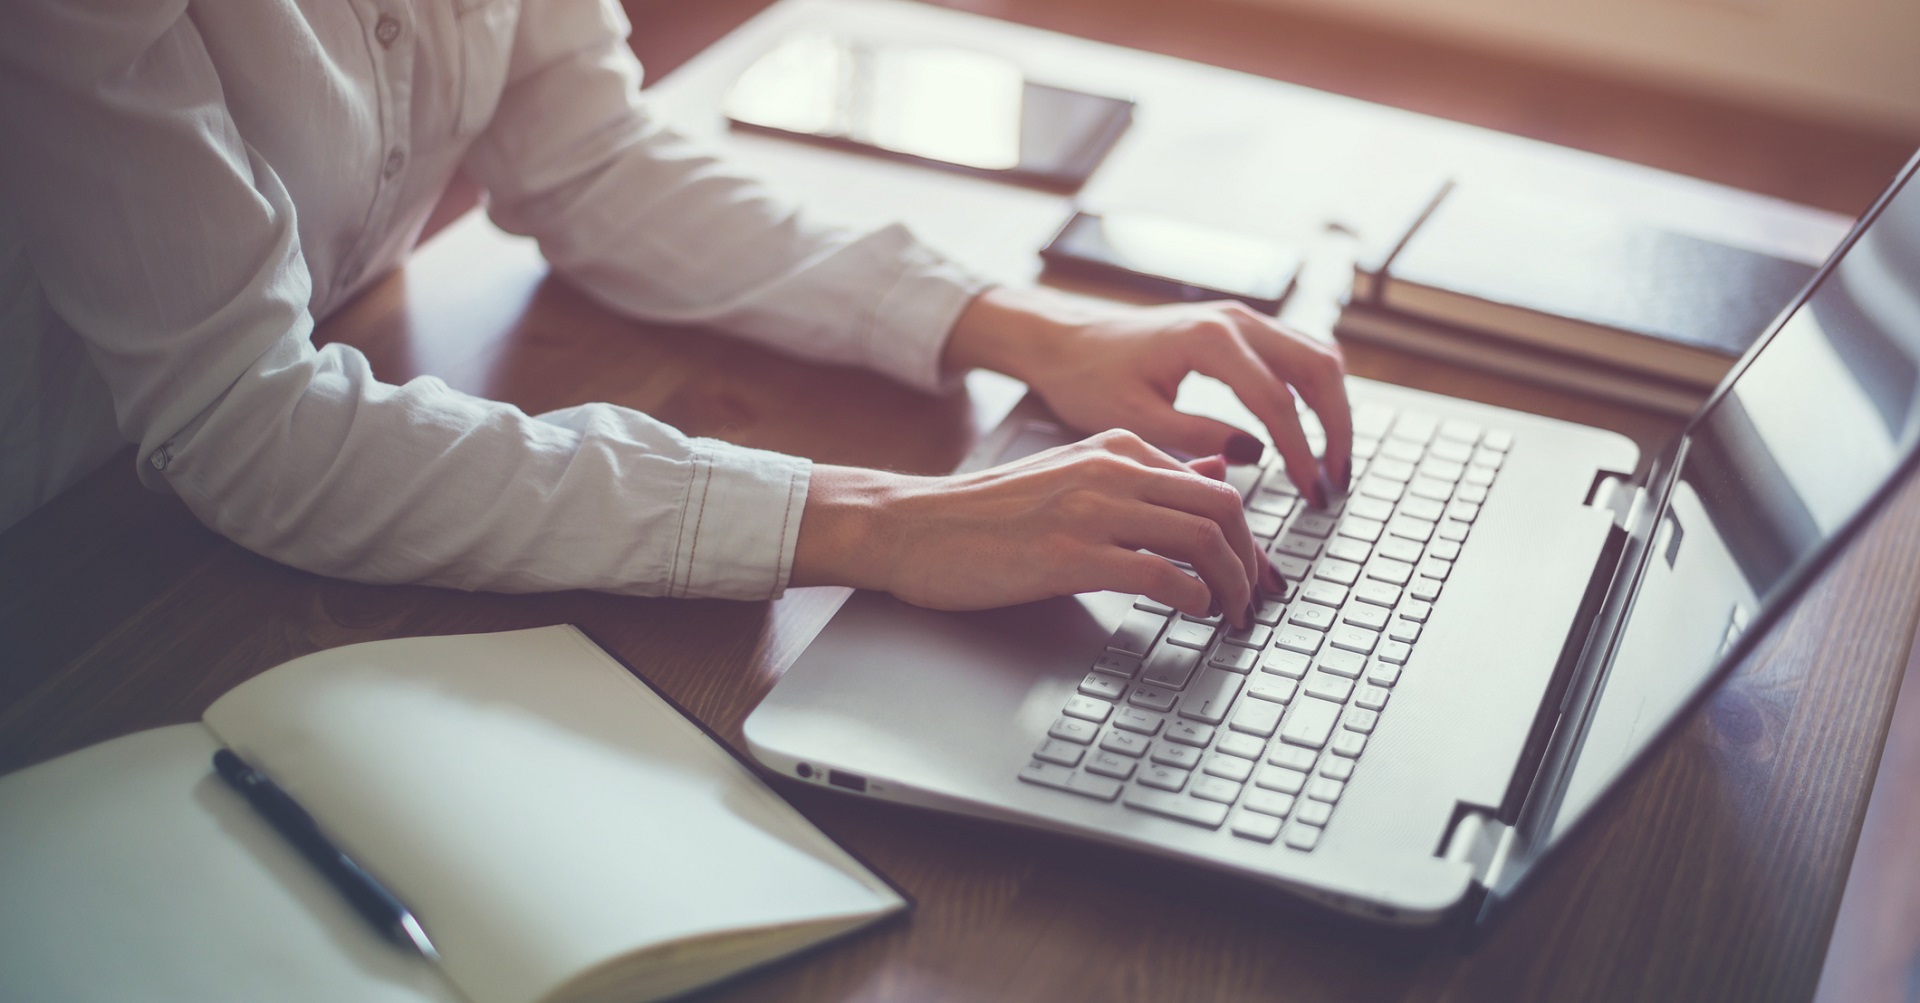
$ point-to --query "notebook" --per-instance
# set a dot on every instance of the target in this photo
(560, 830)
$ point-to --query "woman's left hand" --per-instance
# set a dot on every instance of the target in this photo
(1102, 367)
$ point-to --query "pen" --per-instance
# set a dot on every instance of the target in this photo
(367, 895)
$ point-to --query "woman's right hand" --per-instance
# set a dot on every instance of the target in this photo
(1068, 520)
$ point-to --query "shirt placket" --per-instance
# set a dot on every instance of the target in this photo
(389, 26)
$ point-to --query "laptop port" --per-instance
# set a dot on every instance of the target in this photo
(851, 781)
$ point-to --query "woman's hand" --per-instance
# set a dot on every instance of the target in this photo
(1102, 367)
(1067, 520)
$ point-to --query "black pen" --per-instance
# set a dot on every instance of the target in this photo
(366, 894)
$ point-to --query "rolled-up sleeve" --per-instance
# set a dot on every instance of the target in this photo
(658, 228)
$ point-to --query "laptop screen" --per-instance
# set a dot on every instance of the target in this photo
(1818, 420)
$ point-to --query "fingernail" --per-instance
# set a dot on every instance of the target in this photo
(1346, 474)
(1246, 619)
(1243, 449)
(1317, 492)
(1213, 608)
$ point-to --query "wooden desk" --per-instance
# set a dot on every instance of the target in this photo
(1717, 877)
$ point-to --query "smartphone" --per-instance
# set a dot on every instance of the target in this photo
(942, 106)
(1175, 260)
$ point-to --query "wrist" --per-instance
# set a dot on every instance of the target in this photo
(846, 536)
(1023, 333)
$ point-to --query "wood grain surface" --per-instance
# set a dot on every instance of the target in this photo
(1717, 875)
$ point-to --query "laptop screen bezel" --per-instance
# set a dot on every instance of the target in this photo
(1663, 476)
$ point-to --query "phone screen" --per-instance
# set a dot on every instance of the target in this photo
(1177, 259)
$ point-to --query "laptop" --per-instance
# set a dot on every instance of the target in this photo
(1476, 645)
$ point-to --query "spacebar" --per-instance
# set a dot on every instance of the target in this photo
(1186, 809)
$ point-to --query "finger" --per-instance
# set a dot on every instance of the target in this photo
(1153, 576)
(1159, 423)
(1214, 500)
(1226, 356)
(1318, 373)
(1214, 467)
(1196, 540)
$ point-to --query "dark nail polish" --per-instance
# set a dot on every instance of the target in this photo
(1213, 608)
(1346, 475)
(1317, 492)
(1246, 620)
(1243, 449)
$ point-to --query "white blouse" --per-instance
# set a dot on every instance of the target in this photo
(186, 185)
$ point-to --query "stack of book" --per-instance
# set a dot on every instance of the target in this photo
(1578, 296)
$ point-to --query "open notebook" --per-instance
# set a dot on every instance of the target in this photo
(562, 832)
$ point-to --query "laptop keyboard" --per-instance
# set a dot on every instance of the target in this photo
(1260, 730)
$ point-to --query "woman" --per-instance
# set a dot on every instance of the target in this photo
(187, 186)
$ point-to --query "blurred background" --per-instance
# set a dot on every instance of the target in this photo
(1817, 101)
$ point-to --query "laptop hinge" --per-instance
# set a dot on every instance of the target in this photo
(1483, 842)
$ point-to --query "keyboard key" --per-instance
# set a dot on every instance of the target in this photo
(1153, 606)
(1188, 634)
(1401, 449)
(1117, 664)
(1372, 420)
(1389, 570)
(1299, 640)
(1349, 743)
(1355, 639)
(1454, 529)
(1436, 568)
(1166, 778)
(1404, 630)
(1207, 814)
(1107, 764)
(1137, 721)
(1291, 568)
(1269, 502)
(1361, 720)
(1210, 696)
(1417, 610)
(1303, 837)
(1312, 812)
(1218, 789)
(1365, 615)
(1297, 545)
(1063, 779)
(1136, 632)
(1451, 450)
(1234, 743)
(1334, 768)
(1271, 688)
(1377, 592)
(1415, 426)
(1398, 548)
(1397, 471)
(1211, 621)
(1474, 493)
(1345, 549)
(1088, 709)
(1309, 721)
(1441, 470)
(1383, 673)
(1312, 616)
(1125, 743)
(1189, 733)
(1363, 529)
(1257, 717)
(1055, 751)
(1313, 524)
(1395, 652)
(1264, 525)
(1069, 730)
(1255, 636)
(1325, 789)
(1103, 686)
(1257, 827)
(1425, 589)
(1290, 664)
(1428, 490)
(1380, 488)
(1498, 440)
(1275, 481)
(1234, 659)
(1152, 698)
(1179, 757)
(1329, 687)
(1170, 665)
(1267, 802)
(1478, 474)
(1323, 592)
(1292, 757)
(1280, 778)
(1337, 571)
(1423, 508)
(1341, 663)
(1370, 697)
(1487, 458)
(1372, 509)
(1445, 550)
(1232, 768)
(1463, 511)
(1460, 430)
(1407, 527)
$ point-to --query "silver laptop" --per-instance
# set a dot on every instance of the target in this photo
(1476, 644)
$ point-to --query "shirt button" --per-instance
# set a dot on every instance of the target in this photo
(395, 161)
(387, 30)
